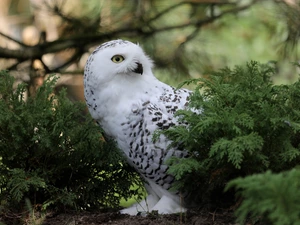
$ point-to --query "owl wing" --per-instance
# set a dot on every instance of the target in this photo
(149, 156)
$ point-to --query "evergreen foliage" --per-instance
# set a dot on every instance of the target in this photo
(247, 125)
(53, 154)
(271, 198)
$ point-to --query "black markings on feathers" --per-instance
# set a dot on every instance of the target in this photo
(110, 44)
(146, 156)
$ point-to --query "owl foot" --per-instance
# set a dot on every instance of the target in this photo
(167, 205)
(141, 207)
(164, 205)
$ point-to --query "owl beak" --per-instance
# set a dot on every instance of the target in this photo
(139, 68)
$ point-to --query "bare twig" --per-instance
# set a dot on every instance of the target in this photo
(75, 57)
(205, 21)
(158, 15)
(12, 39)
(82, 42)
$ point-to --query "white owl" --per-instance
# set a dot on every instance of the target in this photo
(129, 103)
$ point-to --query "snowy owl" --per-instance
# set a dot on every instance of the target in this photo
(130, 103)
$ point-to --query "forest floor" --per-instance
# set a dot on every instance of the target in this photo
(195, 217)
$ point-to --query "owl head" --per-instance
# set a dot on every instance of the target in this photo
(117, 60)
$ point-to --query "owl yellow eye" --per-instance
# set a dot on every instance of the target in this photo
(117, 58)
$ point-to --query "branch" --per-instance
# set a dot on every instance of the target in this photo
(158, 15)
(82, 42)
(12, 39)
(75, 57)
(20, 54)
(200, 23)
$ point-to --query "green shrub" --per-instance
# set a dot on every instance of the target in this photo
(271, 198)
(53, 154)
(247, 125)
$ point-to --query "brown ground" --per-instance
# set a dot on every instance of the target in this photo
(219, 217)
